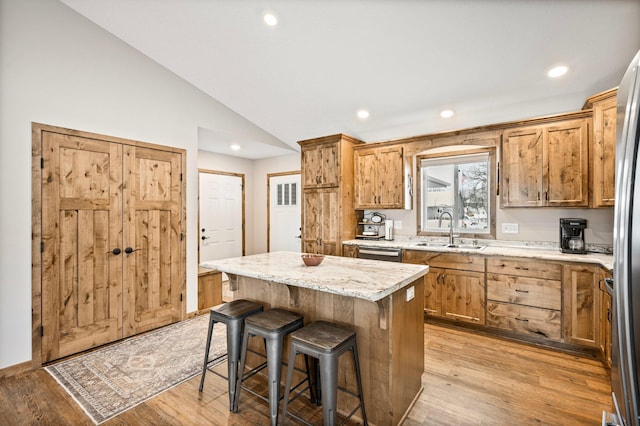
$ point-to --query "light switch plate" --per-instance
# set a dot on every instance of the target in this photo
(509, 228)
(411, 293)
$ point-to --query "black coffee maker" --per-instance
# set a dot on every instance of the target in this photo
(572, 235)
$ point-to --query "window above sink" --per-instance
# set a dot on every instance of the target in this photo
(456, 191)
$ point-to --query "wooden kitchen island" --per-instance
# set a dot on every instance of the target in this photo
(381, 301)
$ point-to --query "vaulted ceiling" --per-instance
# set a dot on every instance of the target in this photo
(403, 60)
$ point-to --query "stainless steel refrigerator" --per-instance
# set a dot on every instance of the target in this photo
(626, 251)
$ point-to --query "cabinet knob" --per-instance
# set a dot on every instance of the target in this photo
(116, 251)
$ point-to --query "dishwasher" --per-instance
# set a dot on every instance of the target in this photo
(380, 253)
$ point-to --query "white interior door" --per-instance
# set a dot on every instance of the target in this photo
(284, 213)
(221, 232)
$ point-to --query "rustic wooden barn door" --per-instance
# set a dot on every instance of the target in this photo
(152, 235)
(81, 228)
(112, 241)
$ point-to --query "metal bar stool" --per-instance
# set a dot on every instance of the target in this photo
(232, 314)
(325, 342)
(273, 326)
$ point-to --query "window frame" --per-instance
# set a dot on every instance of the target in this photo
(453, 152)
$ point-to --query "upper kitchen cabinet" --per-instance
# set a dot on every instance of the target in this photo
(326, 160)
(328, 214)
(379, 178)
(603, 161)
(546, 165)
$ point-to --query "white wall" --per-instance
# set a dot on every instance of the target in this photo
(58, 68)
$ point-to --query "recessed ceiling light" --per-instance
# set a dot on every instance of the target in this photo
(235, 147)
(363, 114)
(446, 113)
(558, 71)
(270, 19)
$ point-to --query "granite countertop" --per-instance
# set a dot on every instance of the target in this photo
(497, 248)
(365, 279)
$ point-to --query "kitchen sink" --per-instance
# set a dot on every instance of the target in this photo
(453, 246)
(431, 244)
(465, 246)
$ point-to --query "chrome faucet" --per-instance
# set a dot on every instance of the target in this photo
(450, 225)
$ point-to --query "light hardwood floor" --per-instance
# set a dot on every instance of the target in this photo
(469, 379)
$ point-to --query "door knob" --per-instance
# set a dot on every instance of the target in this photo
(129, 250)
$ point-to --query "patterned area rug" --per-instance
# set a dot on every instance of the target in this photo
(113, 379)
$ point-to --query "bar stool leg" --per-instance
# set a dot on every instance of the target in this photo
(243, 358)
(234, 340)
(206, 351)
(287, 386)
(329, 380)
(274, 370)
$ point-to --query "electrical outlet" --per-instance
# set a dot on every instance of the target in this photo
(397, 224)
(509, 228)
(411, 293)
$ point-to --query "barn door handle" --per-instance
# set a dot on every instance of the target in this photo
(116, 251)
(129, 250)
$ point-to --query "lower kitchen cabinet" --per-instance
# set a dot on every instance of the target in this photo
(581, 306)
(457, 294)
(525, 296)
(605, 318)
(349, 250)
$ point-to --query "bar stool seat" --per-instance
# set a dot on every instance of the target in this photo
(324, 341)
(273, 326)
(233, 315)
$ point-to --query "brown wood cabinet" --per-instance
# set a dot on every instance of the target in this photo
(605, 317)
(581, 305)
(379, 178)
(328, 214)
(349, 250)
(209, 288)
(603, 160)
(524, 296)
(454, 287)
(546, 165)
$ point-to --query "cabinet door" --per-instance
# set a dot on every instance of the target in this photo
(463, 297)
(581, 305)
(390, 178)
(604, 152)
(320, 164)
(321, 227)
(349, 250)
(379, 178)
(566, 171)
(433, 292)
(605, 318)
(365, 179)
(522, 168)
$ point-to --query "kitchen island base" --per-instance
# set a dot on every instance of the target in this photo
(390, 336)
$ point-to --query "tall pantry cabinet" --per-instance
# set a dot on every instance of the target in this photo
(328, 214)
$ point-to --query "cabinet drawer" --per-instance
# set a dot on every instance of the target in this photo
(444, 260)
(525, 268)
(534, 292)
(524, 319)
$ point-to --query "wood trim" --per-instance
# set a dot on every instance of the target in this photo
(240, 175)
(331, 138)
(269, 176)
(36, 221)
(485, 128)
(16, 369)
(598, 97)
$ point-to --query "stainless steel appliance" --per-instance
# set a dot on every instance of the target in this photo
(572, 235)
(626, 250)
(380, 253)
